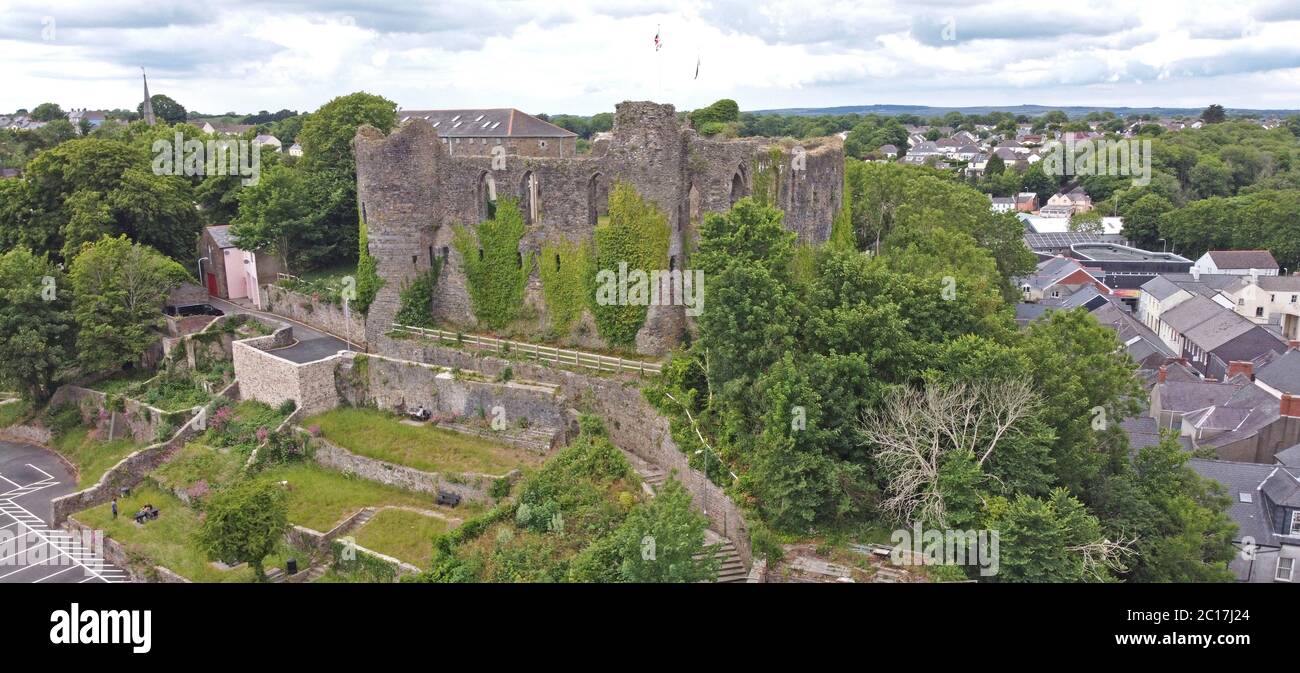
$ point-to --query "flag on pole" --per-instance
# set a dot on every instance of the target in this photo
(658, 44)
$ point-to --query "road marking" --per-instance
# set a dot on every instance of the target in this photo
(47, 474)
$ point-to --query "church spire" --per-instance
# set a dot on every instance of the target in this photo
(147, 110)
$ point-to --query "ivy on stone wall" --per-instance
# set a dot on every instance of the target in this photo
(417, 298)
(368, 280)
(564, 267)
(842, 236)
(766, 175)
(495, 269)
(635, 234)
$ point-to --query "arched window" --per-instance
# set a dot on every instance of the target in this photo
(592, 189)
(487, 197)
(738, 186)
(529, 191)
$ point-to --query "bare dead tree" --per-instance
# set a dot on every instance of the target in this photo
(1103, 554)
(915, 429)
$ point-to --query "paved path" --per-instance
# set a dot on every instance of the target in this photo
(30, 550)
(312, 345)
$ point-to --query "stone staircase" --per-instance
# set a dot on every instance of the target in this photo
(730, 568)
(535, 439)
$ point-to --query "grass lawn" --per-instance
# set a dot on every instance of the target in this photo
(172, 393)
(168, 540)
(91, 456)
(199, 462)
(118, 384)
(319, 498)
(381, 435)
(402, 534)
(12, 412)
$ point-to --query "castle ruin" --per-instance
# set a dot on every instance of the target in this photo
(412, 187)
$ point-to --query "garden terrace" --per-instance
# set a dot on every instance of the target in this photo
(403, 534)
(384, 436)
(92, 456)
(198, 469)
(320, 498)
(122, 381)
(168, 541)
(169, 392)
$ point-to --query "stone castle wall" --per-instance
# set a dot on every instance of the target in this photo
(412, 190)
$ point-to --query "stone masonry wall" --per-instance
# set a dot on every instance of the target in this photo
(403, 385)
(468, 485)
(322, 315)
(413, 192)
(633, 424)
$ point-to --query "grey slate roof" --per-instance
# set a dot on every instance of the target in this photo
(1185, 396)
(1219, 329)
(1191, 313)
(1283, 488)
(1243, 259)
(1280, 283)
(1289, 457)
(1238, 478)
(221, 235)
(1283, 373)
(1161, 288)
(486, 123)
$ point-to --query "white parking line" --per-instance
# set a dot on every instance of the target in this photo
(54, 574)
(47, 474)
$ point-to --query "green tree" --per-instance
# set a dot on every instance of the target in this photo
(47, 112)
(1188, 537)
(164, 108)
(244, 523)
(1214, 114)
(1142, 219)
(1088, 222)
(327, 134)
(1211, 177)
(1088, 386)
(37, 331)
(659, 541)
(283, 214)
(119, 289)
(1049, 540)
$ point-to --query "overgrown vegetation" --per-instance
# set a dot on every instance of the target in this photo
(836, 396)
(564, 268)
(417, 298)
(581, 518)
(634, 238)
(495, 269)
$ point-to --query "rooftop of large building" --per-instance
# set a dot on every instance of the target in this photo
(486, 123)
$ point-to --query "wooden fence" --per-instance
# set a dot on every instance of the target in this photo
(536, 351)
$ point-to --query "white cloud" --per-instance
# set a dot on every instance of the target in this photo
(585, 56)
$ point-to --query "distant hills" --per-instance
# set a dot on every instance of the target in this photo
(1029, 110)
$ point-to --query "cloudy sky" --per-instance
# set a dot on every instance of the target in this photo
(583, 57)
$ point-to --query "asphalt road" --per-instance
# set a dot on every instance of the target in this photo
(312, 344)
(30, 550)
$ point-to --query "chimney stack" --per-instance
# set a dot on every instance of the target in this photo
(1162, 374)
(1196, 273)
(1293, 345)
(1236, 367)
(1290, 405)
